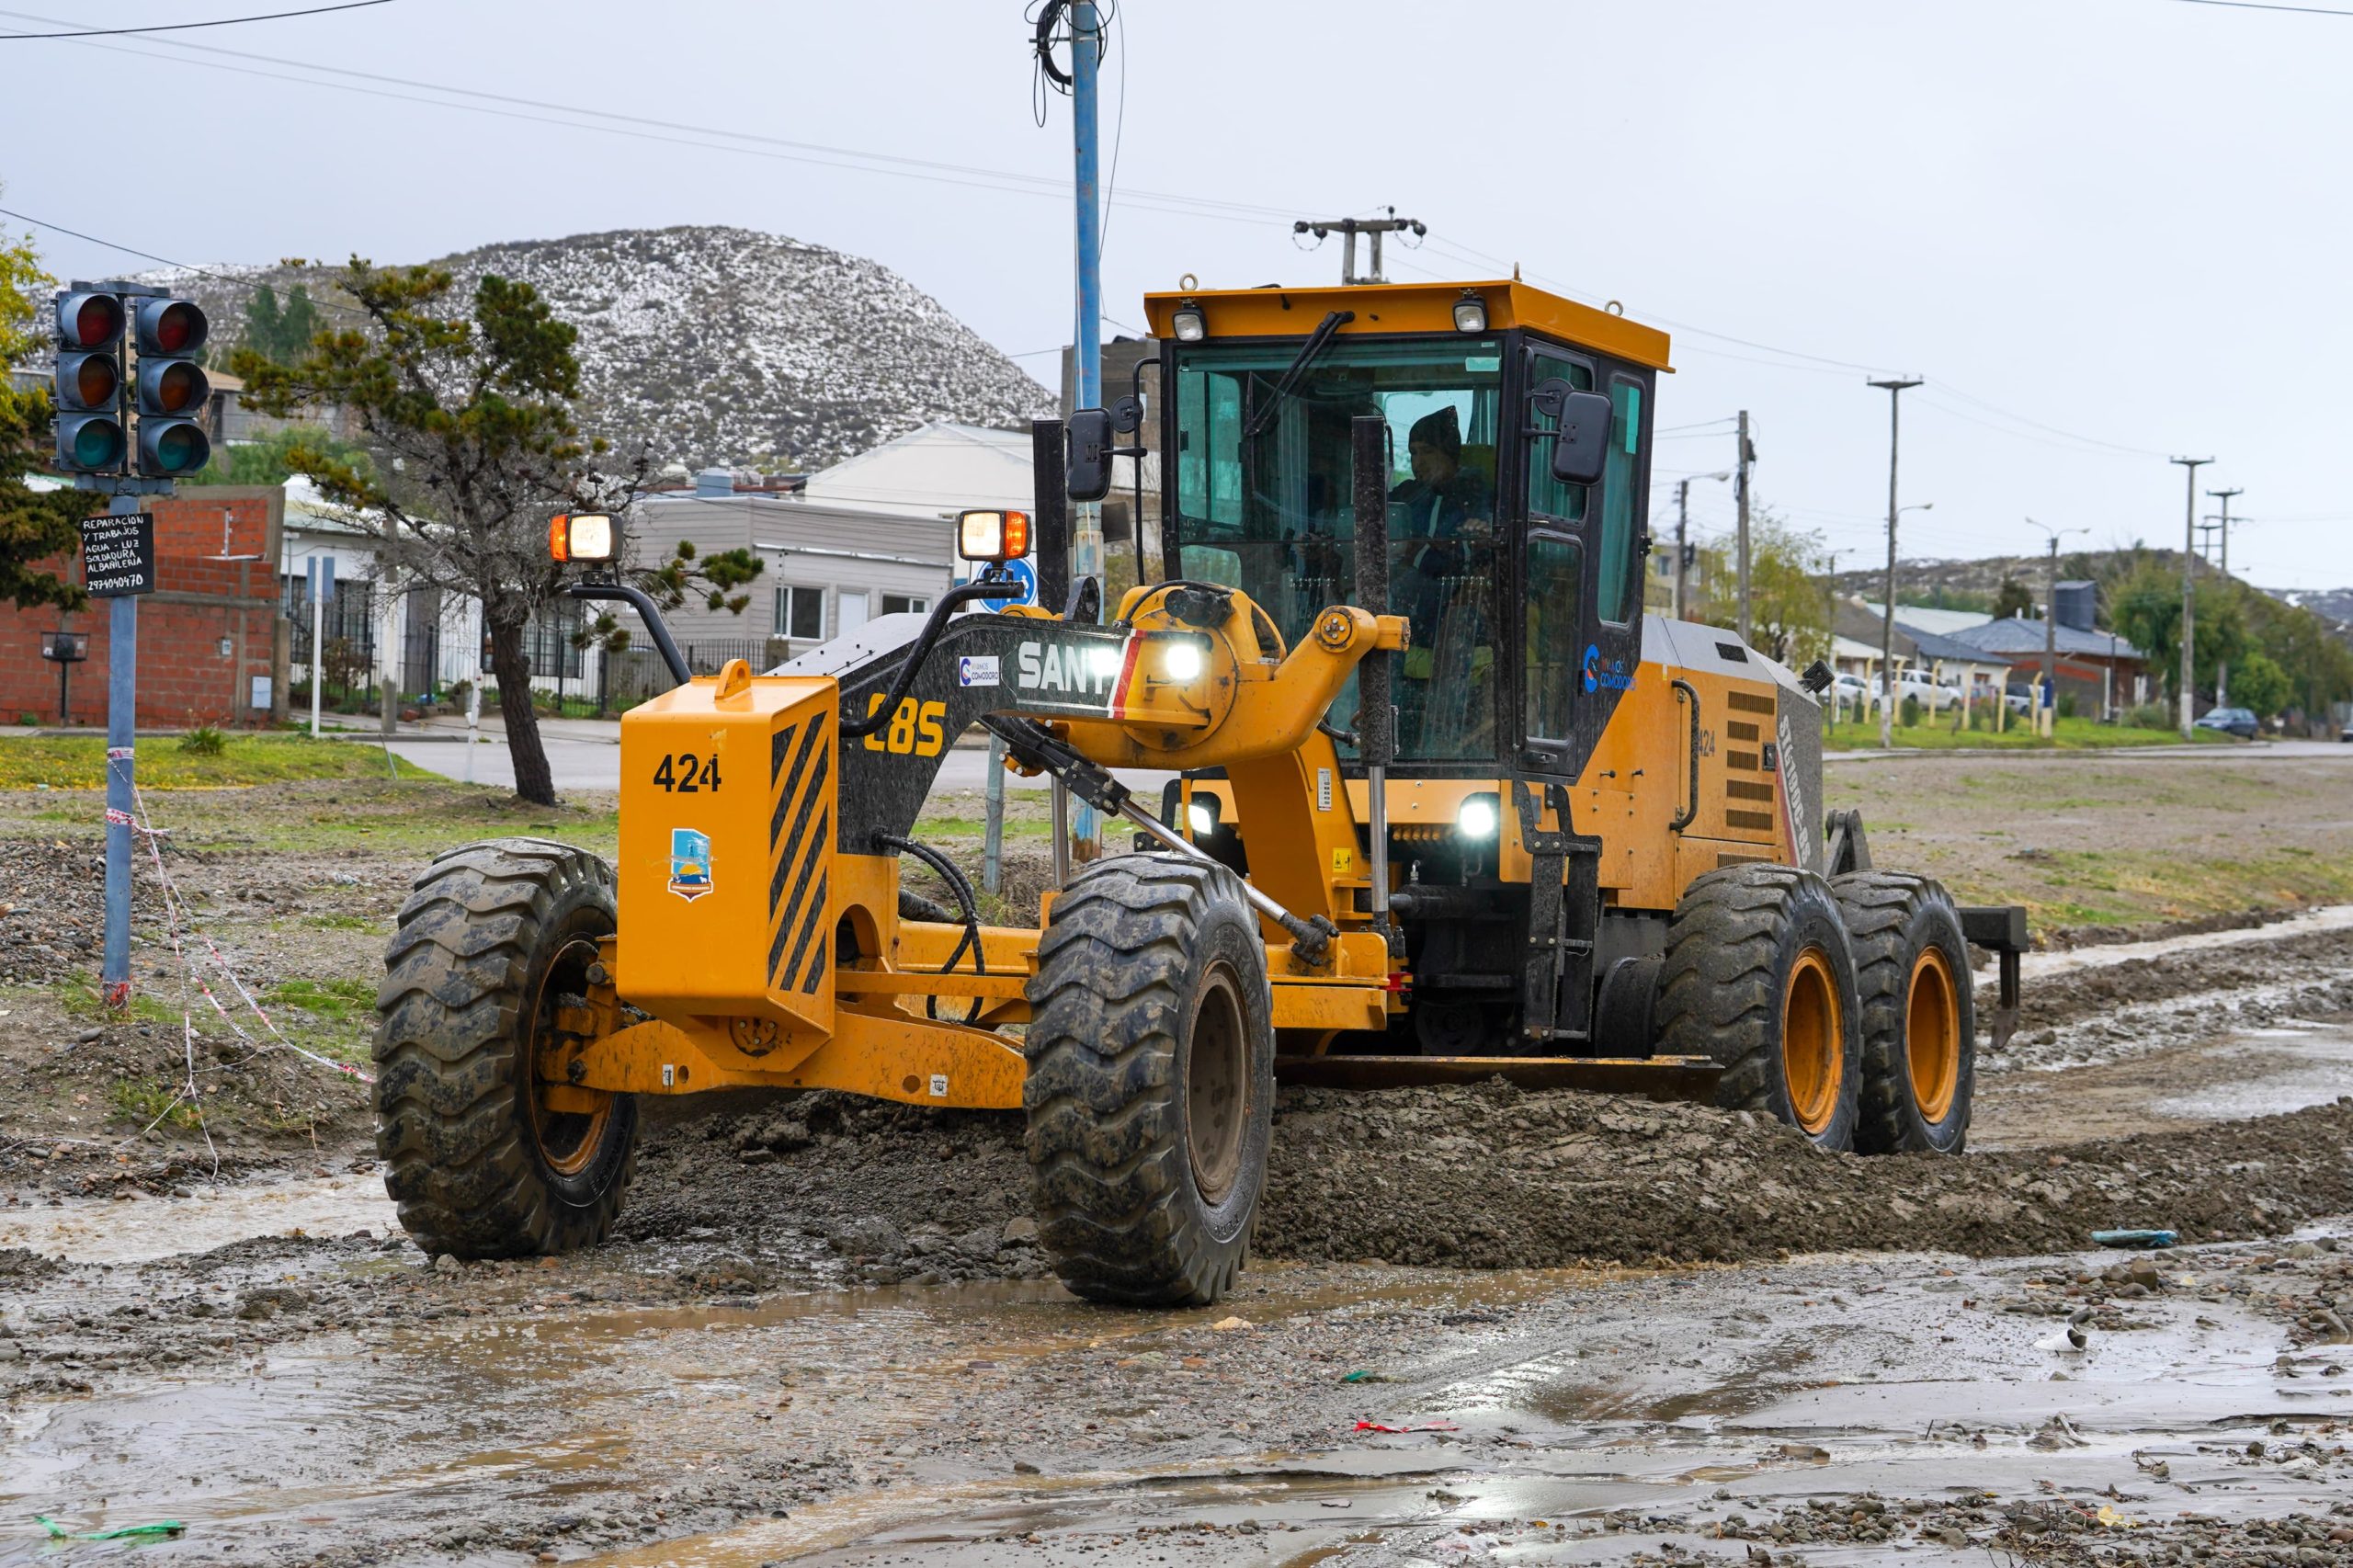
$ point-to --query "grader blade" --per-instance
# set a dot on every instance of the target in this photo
(1654, 1077)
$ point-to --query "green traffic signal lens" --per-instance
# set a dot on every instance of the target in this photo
(97, 443)
(180, 449)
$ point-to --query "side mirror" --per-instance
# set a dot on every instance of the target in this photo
(1089, 471)
(1581, 444)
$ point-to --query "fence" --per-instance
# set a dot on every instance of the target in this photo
(638, 673)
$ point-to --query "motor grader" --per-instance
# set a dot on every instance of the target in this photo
(1442, 802)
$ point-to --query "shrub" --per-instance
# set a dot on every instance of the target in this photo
(204, 741)
(2150, 716)
(1911, 712)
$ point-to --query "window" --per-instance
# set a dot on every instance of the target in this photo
(1617, 576)
(850, 610)
(1555, 568)
(1272, 514)
(1547, 496)
(800, 613)
(904, 603)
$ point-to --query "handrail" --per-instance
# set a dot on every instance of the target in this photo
(1683, 818)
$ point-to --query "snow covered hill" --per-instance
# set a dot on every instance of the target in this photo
(718, 346)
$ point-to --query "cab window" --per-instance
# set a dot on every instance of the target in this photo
(1548, 496)
(1264, 502)
(1617, 578)
(1553, 634)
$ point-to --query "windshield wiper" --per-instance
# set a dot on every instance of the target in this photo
(1298, 367)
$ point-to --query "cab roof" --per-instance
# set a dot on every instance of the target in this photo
(1276, 311)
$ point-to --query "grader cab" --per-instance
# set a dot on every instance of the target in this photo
(1447, 805)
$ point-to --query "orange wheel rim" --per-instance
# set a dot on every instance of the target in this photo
(568, 1140)
(1932, 1034)
(1813, 1036)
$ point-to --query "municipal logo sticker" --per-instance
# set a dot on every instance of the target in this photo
(689, 863)
(976, 669)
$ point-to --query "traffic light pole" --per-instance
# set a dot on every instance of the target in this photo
(122, 725)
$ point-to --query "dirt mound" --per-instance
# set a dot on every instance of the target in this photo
(1479, 1178)
(2320, 959)
(1492, 1177)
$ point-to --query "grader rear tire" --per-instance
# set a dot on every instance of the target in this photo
(1758, 975)
(1919, 1017)
(1151, 1083)
(495, 934)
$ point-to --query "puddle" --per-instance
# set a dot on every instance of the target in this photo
(2267, 1071)
(2042, 966)
(135, 1230)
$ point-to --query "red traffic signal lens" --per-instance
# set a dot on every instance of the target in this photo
(94, 320)
(178, 328)
(179, 388)
(95, 380)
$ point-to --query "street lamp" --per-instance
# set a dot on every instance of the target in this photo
(1683, 533)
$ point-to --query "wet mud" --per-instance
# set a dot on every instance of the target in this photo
(1604, 1330)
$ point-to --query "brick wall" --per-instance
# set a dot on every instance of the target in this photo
(199, 600)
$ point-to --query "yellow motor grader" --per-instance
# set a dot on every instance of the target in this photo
(1446, 804)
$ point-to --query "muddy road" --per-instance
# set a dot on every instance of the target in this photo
(1605, 1331)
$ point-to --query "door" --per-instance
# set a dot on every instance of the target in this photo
(1580, 557)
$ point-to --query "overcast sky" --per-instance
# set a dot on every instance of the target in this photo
(2105, 230)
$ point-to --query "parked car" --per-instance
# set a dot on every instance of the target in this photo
(1932, 696)
(1848, 690)
(2018, 697)
(2239, 722)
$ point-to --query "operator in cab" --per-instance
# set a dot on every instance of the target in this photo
(1442, 528)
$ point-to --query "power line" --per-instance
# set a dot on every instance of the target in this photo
(610, 122)
(221, 22)
(2260, 6)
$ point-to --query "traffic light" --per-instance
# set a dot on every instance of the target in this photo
(89, 388)
(173, 390)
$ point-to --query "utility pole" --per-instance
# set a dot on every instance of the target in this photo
(1895, 389)
(1348, 229)
(2222, 666)
(2046, 705)
(1682, 538)
(2188, 566)
(1740, 493)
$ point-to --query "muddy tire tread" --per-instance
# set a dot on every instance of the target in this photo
(1106, 1140)
(1879, 906)
(456, 968)
(1719, 995)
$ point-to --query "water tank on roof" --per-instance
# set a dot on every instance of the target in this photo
(2075, 604)
(715, 481)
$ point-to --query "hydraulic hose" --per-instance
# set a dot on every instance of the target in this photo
(967, 901)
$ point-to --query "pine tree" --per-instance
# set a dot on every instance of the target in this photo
(34, 525)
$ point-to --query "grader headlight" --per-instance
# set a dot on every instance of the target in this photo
(1478, 817)
(581, 536)
(992, 536)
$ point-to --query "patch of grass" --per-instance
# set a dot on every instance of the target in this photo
(335, 1000)
(80, 997)
(146, 1101)
(341, 922)
(2071, 735)
(79, 762)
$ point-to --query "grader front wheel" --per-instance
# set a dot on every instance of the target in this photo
(1150, 1091)
(1758, 975)
(494, 940)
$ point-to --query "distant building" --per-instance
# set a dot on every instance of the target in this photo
(2102, 671)
(212, 645)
